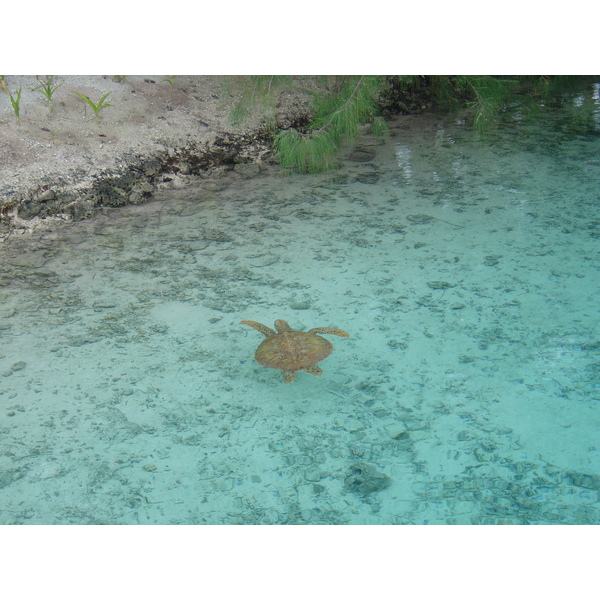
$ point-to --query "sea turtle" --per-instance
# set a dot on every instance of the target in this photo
(293, 351)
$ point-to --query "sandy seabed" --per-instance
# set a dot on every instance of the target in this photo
(465, 271)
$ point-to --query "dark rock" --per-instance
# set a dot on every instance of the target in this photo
(420, 219)
(247, 169)
(492, 260)
(30, 209)
(362, 155)
(141, 192)
(367, 177)
(151, 167)
(216, 235)
(584, 480)
(6, 478)
(440, 285)
(81, 209)
(365, 479)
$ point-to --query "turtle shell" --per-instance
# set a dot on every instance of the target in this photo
(292, 350)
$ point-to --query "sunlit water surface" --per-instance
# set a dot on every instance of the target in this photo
(465, 271)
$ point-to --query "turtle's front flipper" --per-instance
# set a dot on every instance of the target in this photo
(331, 330)
(288, 376)
(314, 370)
(259, 327)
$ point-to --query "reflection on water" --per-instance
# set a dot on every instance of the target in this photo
(465, 269)
(403, 156)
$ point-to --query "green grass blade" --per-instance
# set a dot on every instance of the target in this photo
(16, 104)
(96, 107)
(101, 101)
(84, 97)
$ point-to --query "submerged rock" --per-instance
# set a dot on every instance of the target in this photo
(365, 479)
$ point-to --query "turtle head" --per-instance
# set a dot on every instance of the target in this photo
(282, 325)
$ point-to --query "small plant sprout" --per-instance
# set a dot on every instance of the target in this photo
(15, 104)
(47, 88)
(3, 84)
(95, 107)
(170, 81)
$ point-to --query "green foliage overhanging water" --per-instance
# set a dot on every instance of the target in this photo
(341, 104)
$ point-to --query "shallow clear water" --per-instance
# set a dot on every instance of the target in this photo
(465, 271)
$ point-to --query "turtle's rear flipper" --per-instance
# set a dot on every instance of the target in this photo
(289, 376)
(314, 370)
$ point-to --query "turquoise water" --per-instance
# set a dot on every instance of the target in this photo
(465, 270)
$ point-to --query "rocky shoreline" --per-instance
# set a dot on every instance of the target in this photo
(64, 164)
(77, 196)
